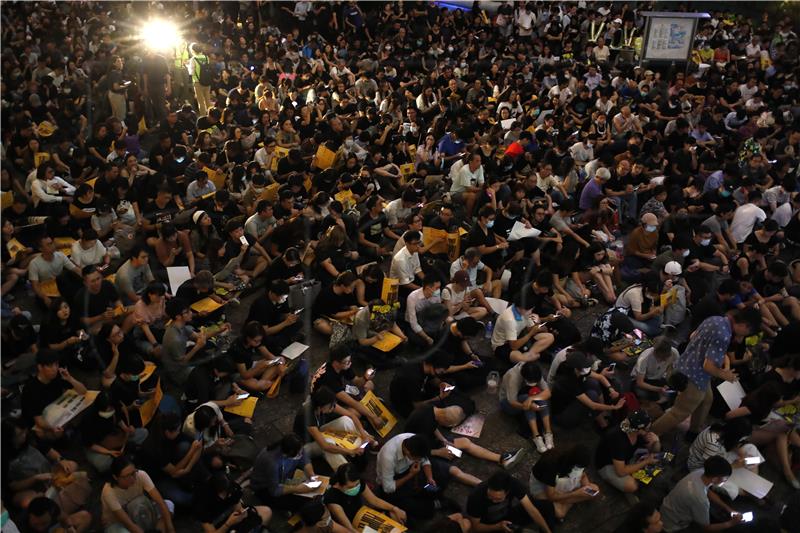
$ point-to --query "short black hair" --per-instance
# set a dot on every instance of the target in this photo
(717, 466)
(418, 446)
(500, 480)
(468, 326)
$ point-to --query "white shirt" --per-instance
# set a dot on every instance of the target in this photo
(582, 153)
(395, 212)
(404, 266)
(93, 256)
(783, 214)
(392, 462)
(507, 328)
(744, 220)
(466, 178)
(416, 302)
(458, 264)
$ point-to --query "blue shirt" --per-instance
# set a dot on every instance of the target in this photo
(272, 469)
(710, 342)
(448, 146)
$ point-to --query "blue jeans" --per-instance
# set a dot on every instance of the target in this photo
(508, 409)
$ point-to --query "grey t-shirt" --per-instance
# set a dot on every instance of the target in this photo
(513, 383)
(717, 225)
(686, 504)
(42, 270)
(175, 349)
(133, 279)
(650, 367)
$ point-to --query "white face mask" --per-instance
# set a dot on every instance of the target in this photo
(106, 414)
(650, 229)
(705, 242)
(436, 294)
(685, 253)
(283, 299)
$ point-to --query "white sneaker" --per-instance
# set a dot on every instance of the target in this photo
(548, 441)
(539, 442)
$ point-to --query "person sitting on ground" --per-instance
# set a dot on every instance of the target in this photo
(614, 457)
(258, 369)
(502, 503)
(523, 391)
(517, 336)
(458, 299)
(335, 302)
(559, 476)
(348, 493)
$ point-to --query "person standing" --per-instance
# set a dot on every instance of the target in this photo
(155, 87)
(117, 90)
(202, 86)
(702, 360)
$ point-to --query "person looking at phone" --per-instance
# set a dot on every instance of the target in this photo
(524, 392)
(257, 367)
(650, 371)
(502, 504)
(272, 479)
(689, 502)
(616, 450)
(340, 377)
(559, 477)
(220, 508)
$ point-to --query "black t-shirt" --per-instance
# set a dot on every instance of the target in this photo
(241, 354)
(335, 381)
(566, 388)
(477, 237)
(88, 305)
(372, 228)
(349, 504)
(329, 303)
(278, 270)
(266, 312)
(546, 468)
(160, 215)
(422, 422)
(410, 384)
(305, 418)
(210, 507)
(708, 306)
(615, 445)
(488, 512)
(37, 395)
(95, 428)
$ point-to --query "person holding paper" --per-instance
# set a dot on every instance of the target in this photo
(615, 457)
(44, 388)
(515, 328)
(702, 360)
(373, 327)
(339, 376)
(335, 303)
(199, 293)
(257, 367)
(348, 493)
(321, 413)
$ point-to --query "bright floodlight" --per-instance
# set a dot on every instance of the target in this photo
(159, 34)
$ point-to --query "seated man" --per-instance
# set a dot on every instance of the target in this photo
(281, 325)
(516, 328)
(335, 303)
(502, 504)
(471, 262)
(49, 383)
(576, 393)
(615, 452)
(220, 508)
(429, 421)
(689, 502)
(559, 476)
(419, 383)
(405, 265)
(425, 313)
(134, 275)
(44, 514)
(199, 288)
(273, 472)
(371, 324)
(467, 370)
(257, 367)
(321, 413)
(98, 302)
(256, 259)
(49, 267)
(181, 342)
(524, 391)
(338, 375)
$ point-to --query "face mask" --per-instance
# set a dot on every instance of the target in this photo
(283, 299)
(650, 229)
(705, 242)
(589, 145)
(134, 377)
(3, 518)
(725, 194)
(685, 253)
(106, 414)
(180, 160)
(436, 293)
(258, 190)
(353, 491)
(490, 224)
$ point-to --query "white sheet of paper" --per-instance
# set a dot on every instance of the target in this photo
(732, 393)
(177, 275)
(519, 231)
(294, 350)
(368, 529)
(505, 279)
(750, 482)
(497, 304)
(506, 124)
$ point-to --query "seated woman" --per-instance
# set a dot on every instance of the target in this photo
(523, 392)
(132, 503)
(107, 432)
(348, 493)
(257, 367)
(60, 331)
(593, 266)
(371, 324)
(369, 284)
(148, 320)
(768, 431)
(227, 272)
(559, 476)
(728, 440)
(88, 250)
(333, 255)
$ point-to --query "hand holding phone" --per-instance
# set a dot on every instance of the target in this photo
(243, 240)
(243, 396)
(590, 491)
(313, 484)
(752, 460)
(448, 388)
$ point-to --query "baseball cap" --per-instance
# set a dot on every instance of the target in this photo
(638, 420)
(650, 219)
(673, 268)
(461, 277)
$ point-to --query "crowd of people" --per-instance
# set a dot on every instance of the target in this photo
(437, 195)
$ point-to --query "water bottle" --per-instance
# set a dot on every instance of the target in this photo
(489, 329)
(492, 381)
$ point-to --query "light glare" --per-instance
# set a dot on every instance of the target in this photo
(160, 35)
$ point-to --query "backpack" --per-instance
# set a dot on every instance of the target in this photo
(206, 75)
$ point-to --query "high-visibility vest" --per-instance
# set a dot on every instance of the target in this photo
(181, 56)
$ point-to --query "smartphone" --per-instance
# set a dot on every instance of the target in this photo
(752, 460)
(369, 373)
(430, 488)
(612, 366)
(448, 388)
(477, 363)
(243, 396)
(540, 403)
(313, 484)
(298, 311)
(455, 451)
(364, 445)
(243, 240)
(747, 517)
(590, 491)
(275, 361)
